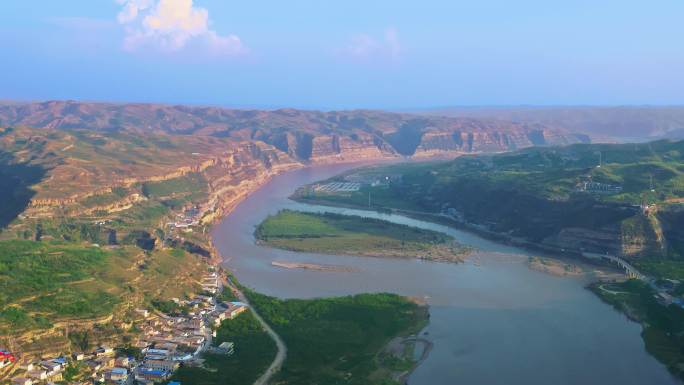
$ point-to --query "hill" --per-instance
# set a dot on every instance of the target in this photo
(628, 123)
(304, 135)
(561, 198)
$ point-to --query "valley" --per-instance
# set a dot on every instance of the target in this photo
(132, 213)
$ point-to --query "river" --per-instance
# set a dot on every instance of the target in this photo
(496, 322)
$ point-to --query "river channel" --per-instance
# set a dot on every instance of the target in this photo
(492, 322)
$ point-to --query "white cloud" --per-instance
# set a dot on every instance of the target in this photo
(171, 25)
(365, 46)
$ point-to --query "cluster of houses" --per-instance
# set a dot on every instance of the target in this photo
(599, 188)
(102, 366)
(187, 219)
(166, 342)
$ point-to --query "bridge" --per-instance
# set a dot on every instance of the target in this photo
(630, 270)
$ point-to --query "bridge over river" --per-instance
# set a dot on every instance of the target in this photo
(630, 270)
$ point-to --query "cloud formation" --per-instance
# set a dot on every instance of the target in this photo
(365, 46)
(171, 25)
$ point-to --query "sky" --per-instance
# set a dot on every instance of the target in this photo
(316, 54)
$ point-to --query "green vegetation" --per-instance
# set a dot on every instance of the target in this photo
(663, 326)
(190, 186)
(40, 279)
(116, 194)
(537, 193)
(339, 340)
(341, 234)
(254, 351)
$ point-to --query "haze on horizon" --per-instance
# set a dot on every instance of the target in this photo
(353, 54)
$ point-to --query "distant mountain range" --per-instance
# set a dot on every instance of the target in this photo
(304, 135)
(628, 123)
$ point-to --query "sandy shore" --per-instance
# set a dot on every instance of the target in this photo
(315, 267)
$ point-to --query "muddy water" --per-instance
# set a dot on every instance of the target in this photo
(492, 322)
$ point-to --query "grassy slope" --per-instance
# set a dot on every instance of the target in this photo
(337, 340)
(341, 234)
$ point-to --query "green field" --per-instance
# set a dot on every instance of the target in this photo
(329, 233)
(663, 327)
(254, 351)
(339, 340)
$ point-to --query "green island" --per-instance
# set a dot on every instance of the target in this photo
(330, 233)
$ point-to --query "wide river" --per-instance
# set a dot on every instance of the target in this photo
(492, 322)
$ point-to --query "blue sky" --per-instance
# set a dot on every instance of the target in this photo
(344, 54)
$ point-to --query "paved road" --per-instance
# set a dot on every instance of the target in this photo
(282, 349)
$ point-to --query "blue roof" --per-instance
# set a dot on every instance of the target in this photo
(174, 383)
(119, 371)
(155, 372)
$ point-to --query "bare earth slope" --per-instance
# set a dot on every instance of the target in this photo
(304, 135)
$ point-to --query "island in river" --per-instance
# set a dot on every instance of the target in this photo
(329, 233)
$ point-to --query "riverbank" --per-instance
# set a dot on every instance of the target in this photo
(470, 305)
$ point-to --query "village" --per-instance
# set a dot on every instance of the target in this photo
(167, 340)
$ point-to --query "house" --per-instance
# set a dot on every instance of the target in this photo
(104, 351)
(37, 374)
(151, 374)
(158, 352)
(117, 375)
(122, 362)
(78, 356)
(22, 381)
(51, 366)
(165, 365)
(234, 309)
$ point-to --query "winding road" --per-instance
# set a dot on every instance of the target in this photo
(282, 349)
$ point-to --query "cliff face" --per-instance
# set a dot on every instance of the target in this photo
(303, 135)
